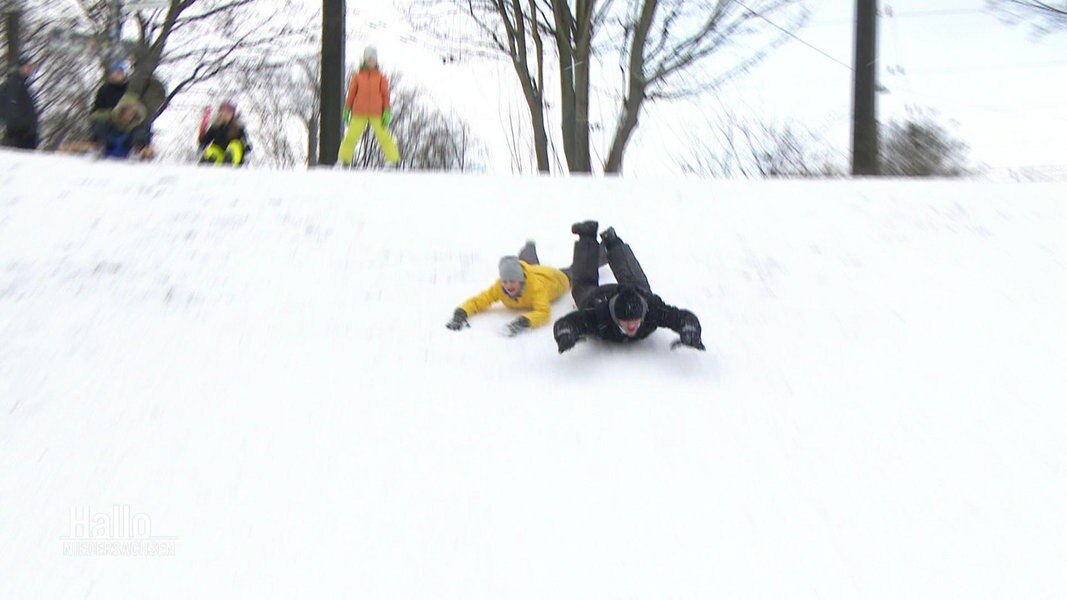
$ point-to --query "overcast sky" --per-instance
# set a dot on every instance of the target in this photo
(999, 87)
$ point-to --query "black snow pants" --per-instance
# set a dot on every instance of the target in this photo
(585, 270)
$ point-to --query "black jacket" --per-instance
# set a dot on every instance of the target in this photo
(595, 317)
(108, 96)
(18, 110)
(222, 135)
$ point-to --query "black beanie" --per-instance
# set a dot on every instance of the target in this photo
(628, 305)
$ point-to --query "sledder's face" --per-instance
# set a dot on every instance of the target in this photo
(629, 328)
(225, 115)
(511, 288)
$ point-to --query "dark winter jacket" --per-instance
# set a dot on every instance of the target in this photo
(153, 97)
(594, 317)
(18, 110)
(121, 136)
(107, 98)
(222, 134)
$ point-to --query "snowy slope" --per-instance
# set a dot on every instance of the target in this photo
(257, 362)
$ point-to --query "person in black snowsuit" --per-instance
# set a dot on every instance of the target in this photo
(624, 312)
(110, 92)
(18, 109)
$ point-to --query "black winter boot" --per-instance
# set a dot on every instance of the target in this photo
(610, 238)
(585, 228)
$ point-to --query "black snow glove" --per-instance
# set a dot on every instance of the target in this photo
(690, 336)
(566, 338)
(459, 320)
(517, 326)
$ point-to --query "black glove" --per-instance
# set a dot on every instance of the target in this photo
(517, 326)
(459, 320)
(565, 338)
(690, 336)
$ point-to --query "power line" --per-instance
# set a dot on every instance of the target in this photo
(1003, 67)
(790, 34)
(920, 14)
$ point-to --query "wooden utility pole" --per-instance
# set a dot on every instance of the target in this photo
(14, 39)
(865, 82)
(331, 97)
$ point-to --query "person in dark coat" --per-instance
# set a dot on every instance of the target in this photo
(624, 312)
(225, 141)
(18, 109)
(109, 94)
(124, 132)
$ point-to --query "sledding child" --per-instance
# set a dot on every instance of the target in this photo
(523, 284)
(626, 311)
(225, 140)
(124, 131)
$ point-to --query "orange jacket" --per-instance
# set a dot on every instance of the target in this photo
(368, 93)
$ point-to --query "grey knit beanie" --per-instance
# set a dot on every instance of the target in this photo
(511, 270)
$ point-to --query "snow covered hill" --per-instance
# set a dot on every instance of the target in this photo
(251, 369)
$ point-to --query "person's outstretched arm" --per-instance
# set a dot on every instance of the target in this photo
(571, 328)
(474, 305)
(682, 321)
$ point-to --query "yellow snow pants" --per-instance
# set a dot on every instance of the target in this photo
(217, 155)
(356, 127)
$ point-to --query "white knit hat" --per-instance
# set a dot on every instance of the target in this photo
(370, 52)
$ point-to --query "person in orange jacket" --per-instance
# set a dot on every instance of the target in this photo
(367, 103)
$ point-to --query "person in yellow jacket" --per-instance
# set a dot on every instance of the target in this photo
(524, 284)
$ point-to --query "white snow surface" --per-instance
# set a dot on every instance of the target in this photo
(257, 362)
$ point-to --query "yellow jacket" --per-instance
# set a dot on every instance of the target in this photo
(543, 286)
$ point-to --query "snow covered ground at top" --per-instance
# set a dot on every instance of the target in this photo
(255, 365)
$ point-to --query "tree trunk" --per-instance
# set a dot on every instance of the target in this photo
(582, 66)
(574, 79)
(149, 55)
(537, 119)
(313, 140)
(635, 94)
(625, 129)
(532, 90)
(563, 23)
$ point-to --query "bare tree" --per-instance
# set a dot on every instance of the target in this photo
(668, 45)
(575, 32)
(190, 41)
(519, 147)
(512, 28)
(921, 147)
(197, 40)
(1046, 15)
